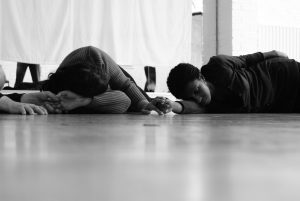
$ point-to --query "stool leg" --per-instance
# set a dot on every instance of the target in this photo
(20, 73)
(150, 78)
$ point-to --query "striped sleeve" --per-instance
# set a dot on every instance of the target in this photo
(118, 81)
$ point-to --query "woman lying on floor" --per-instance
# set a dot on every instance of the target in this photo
(257, 83)
(89, 81)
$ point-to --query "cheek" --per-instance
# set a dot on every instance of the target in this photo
(205, 91)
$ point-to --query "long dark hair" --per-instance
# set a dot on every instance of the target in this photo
(80, 78)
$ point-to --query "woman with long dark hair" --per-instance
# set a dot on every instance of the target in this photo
(89, 81)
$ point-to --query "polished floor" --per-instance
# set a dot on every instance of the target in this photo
(251, 157)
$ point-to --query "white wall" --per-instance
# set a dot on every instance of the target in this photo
(209, 29)
(239, 22)
(137, 33)
(197, 40)
(244, 26)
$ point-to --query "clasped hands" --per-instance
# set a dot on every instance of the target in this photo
(163, 104)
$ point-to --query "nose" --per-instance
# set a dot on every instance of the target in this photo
(198, 98)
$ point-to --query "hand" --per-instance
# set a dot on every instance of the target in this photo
(280, 54)
(26, 108)
(70, 100)
(39, 98)
(13, 107)
(46, 99)
(149, 107)
(163, 104)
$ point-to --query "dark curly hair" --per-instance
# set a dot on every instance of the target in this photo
(180, 76)
(80, 78)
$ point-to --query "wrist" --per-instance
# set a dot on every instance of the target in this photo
(271, 54)
(23, 98)
(142, 105)
(176, 107)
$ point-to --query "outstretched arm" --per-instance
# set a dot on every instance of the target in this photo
(187, 107)
(273, 54)
(250, 59)
(180, 107)
(12, 107)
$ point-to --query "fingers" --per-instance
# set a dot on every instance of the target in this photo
(163, 104)
(34, 109)
(50, 96)
(144, 111)
(28, 109)
(157, 110)
(39, 110)
(22, 110)
(53, 108)
(151, 107)
(44, 110)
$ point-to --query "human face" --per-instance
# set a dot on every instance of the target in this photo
(198, 91)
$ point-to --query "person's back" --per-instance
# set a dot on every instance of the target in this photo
(262, 85)
(275, 84)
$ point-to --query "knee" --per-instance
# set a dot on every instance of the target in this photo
(122, 103)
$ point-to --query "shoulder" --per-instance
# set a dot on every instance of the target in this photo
(218, 69)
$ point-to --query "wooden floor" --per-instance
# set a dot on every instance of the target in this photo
(254, 157)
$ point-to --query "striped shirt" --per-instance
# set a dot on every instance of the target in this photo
(109, 102)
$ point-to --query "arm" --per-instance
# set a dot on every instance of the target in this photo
(252, 59)
(118, 81)
(187, 107)
(179, 107)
